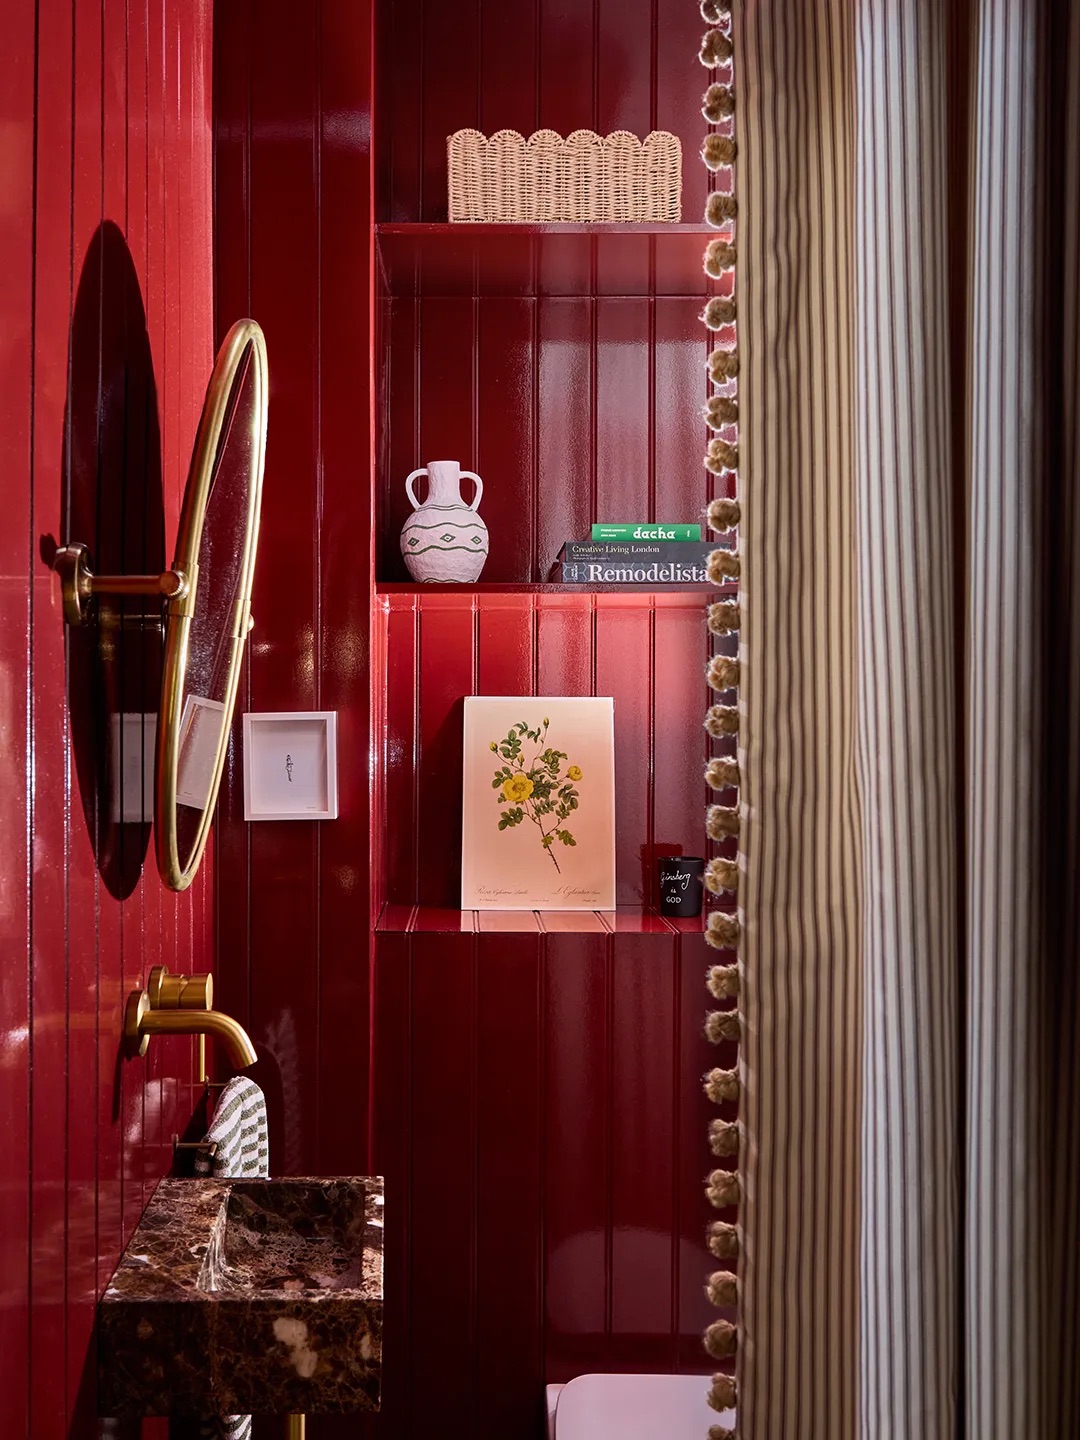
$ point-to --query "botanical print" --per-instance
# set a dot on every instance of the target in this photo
(533, 789)
(538, 821)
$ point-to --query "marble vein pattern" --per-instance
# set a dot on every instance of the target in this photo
(259, 1296)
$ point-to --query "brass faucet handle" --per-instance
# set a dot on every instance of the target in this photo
(197, 993)
(179, 992)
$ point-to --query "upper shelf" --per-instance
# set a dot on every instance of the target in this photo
(612, 260)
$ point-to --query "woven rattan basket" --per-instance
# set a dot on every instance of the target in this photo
(546, 179)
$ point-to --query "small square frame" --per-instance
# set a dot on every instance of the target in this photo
(271, 740)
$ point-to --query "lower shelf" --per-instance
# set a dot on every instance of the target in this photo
(626, 920)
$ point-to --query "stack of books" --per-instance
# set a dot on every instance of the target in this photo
(645, 554)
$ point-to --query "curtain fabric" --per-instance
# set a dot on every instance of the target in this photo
(907, 296)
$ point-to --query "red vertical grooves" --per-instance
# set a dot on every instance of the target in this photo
(99, 129)
(526, 1086)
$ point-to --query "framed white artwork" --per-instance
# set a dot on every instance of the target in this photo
(538, 818)
(290, 765)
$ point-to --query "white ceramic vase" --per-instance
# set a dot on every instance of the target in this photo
(444, 539)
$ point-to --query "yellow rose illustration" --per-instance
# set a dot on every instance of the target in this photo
(535, 786)
(518, 788)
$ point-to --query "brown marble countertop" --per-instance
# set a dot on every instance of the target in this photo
(260, 1296)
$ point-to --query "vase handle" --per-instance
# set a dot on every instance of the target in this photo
(409, 488)
(469, 475)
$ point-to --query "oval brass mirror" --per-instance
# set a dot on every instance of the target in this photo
(206, 628)
(207, 601)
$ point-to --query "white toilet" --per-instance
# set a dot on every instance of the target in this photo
(632, 1407)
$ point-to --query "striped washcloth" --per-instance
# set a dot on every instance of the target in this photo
(239, 1131)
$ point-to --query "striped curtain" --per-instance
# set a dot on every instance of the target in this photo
(907, 294)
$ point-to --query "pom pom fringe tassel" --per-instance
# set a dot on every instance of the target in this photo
(722, 1086)
(722, 1395)
(718, 103)
(720, 1340)
(723, 931)
(723, 1240)
(723, 1138)
(722, 1026)
(722, 1289)
(722, 720)
(713, 11)
(716, 49)
(722, 981)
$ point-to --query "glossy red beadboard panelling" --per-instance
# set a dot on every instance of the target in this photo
(106, 279)
(539, 1122)
(646, 651)
(530, 1086)
(562, 65)
(571, 408)
(293, 241)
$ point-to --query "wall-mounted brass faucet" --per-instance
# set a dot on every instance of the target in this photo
(181, 1005)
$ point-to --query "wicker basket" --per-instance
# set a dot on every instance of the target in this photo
(547, 179)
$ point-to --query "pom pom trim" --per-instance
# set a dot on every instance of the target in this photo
(722, 1027)
(718, 103)
(722, 1087)
(720, 1340)
(723, 1240)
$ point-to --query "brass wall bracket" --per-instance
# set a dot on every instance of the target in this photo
(79, 585)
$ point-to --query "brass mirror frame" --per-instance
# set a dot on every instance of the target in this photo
(180, 608)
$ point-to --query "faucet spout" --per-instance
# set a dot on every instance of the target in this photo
(140, 1022)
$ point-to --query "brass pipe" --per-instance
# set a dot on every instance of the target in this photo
(140, 1023)
(294, 1427)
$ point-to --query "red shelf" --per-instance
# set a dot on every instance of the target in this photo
(626, 920)
(661, 592)
(605, 260)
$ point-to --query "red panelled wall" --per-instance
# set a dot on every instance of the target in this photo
(105, 348)
(530, 1088)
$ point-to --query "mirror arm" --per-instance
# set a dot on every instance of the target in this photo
(79, 584)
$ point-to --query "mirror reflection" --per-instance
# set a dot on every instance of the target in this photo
(206, 628)
(204, 713)
(116, 617)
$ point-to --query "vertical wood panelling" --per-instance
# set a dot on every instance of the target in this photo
(344, 463)
(566, 404)
(17, 423)
(292, 89)
(563, 65)
(649, 655)
(520, 1239)
(444, 675)
(104, 109)
(503, 453)
(286, 650)
(577, 1158)
(623, 669)
(572, 409)
(540, 1190)
(509, 1163)
(645, 1232)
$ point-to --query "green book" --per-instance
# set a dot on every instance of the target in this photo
(647, 531)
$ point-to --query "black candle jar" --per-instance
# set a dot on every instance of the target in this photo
(680, 884)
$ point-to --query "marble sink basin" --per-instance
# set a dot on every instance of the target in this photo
(247, 1296)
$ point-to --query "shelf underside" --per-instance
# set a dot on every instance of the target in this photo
(554, 260)
(626, 920)
(671, 596)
